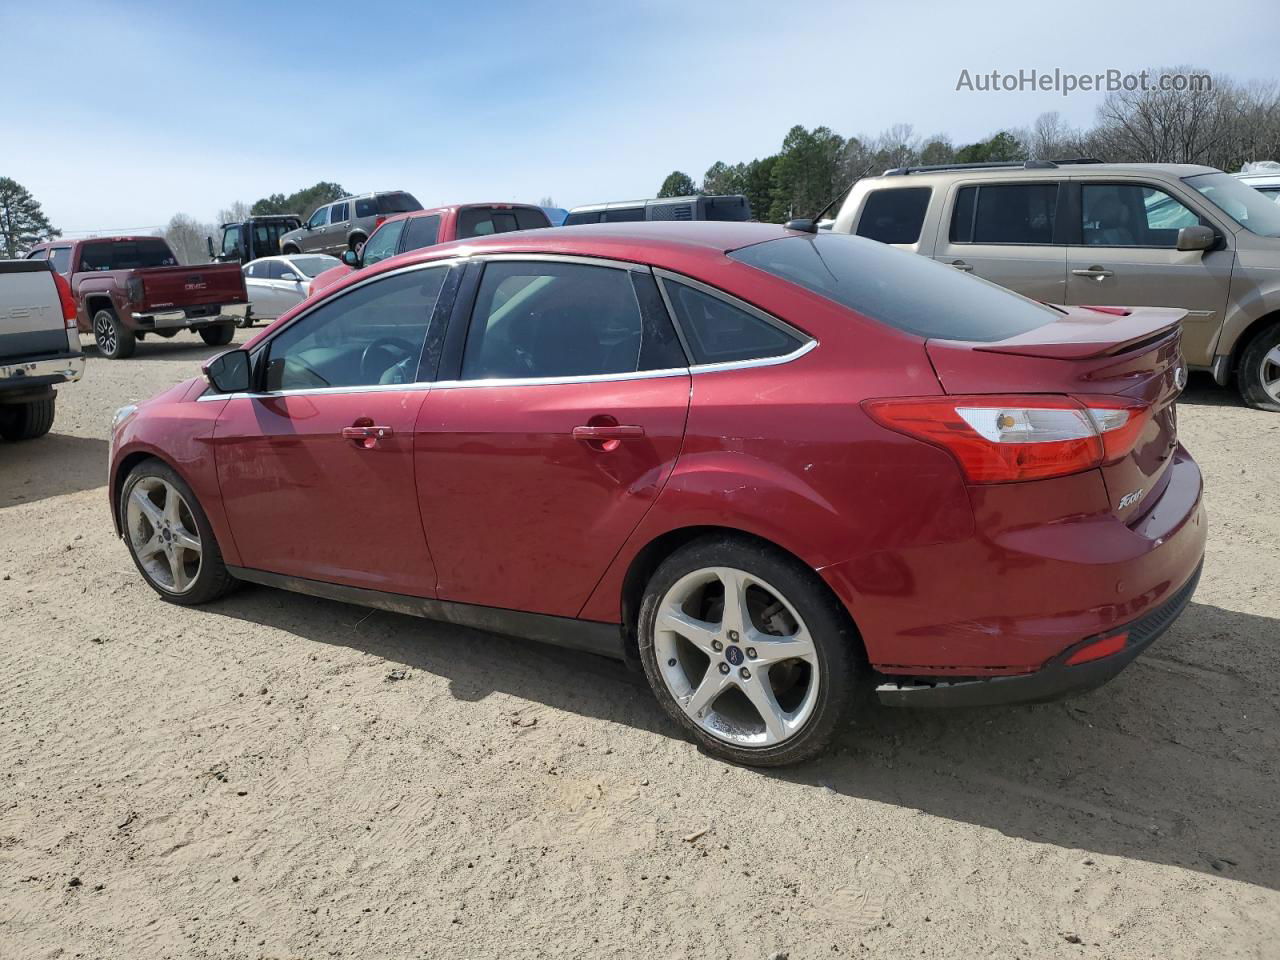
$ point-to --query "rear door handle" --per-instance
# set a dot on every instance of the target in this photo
(961, 265)
(1098, 273)
(613, 431)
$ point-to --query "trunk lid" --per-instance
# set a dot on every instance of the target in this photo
(206, 284)
(1101, 351)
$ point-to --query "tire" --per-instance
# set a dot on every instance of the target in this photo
(115, 340)
(290, 250)
(29, 420)
(813, 693)
(247, 320)
(1258, 377)
(158, 537)
(219, 335)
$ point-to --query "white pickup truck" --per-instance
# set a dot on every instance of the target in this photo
(39, 346)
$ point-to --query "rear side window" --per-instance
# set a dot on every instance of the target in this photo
(421, 232)
(60, 257)
(894, 216)
(540, 319)
(718, 332)
(126, 255)
(898, 288)
(623, 215)
(573, 219)
(341, 211)
(1014, 213)
(389, 203)
(366, 207)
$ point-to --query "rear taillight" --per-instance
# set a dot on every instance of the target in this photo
(66, 299)
(135, 290)
(378, 220)
(1004, 439)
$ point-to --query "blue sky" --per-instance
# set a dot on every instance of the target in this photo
(117, 115)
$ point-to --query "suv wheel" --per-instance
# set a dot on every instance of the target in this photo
(747, 652)
(26, 421)
(169, 536)
(219, 335)
(115, 340)
(290, 249)
(1259, 374)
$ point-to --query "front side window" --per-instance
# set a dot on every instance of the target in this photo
(231, 241)
(383, 242)
(553, 320)
(898, 288)
(341, 211)
(1132, 215)
(60, 257)
(718, 332)
(894, 216)
(1239, 201)
(372, 335)
(319, 218)
(1012, 213)
(421, 232)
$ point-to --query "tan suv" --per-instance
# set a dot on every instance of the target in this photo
(1083, 232)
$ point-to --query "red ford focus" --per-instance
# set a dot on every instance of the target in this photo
(765, 465)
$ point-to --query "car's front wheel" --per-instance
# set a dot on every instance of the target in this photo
(169, 536)
(748, 651)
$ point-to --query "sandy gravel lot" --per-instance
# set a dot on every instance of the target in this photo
(247, 779)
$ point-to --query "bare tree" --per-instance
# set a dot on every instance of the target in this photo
(237, 211)
(186, 238)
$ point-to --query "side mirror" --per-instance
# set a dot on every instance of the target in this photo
(228, 372)
(351, 258)
(208, 242)
(307, 226)
(289, 276)
(1197, 238)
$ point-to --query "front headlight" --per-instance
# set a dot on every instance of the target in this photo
(121, 415)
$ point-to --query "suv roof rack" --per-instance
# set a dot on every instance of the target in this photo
(988, 165)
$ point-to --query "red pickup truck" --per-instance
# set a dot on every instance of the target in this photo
(425, 228)
(127, 288)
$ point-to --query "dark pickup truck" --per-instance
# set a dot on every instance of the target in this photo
(127, 288)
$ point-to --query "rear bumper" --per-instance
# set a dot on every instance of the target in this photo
(41, 373)
(189, 317)
(1055, 680)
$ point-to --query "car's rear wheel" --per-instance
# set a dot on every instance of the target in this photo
(1259, 374)
(29, 420)
(748, 651)
(115, 340)
(218, 336)
(290, 249)
(169, 536)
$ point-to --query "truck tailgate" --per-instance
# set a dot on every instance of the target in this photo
(167, 288)
(31, 324)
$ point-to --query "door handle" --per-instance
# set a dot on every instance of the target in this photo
(962, 266)
(613, 431)
(366, 436)
(1098, 273)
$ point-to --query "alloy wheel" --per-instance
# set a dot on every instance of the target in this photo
(104, 331)
(736, 657)
(1269, 373)
(163, 534)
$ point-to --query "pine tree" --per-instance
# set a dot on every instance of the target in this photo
(21, 219)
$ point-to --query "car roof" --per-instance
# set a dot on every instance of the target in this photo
(674, 245)
(1058, 171)
(454, 207)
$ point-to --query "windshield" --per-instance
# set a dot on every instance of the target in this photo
(1246, 206)
(311, 266)
(901, 289)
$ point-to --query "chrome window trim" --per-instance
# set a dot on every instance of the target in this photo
(584, 259)
(796, 354)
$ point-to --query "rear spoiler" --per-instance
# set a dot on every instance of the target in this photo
(1086, 332)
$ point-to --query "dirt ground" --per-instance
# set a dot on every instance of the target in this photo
(282, 777)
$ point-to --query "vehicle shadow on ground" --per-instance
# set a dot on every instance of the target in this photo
(50, 466)
(184, 346)
(1174, 762)
(1203, 391)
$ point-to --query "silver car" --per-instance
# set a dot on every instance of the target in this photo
(347, 223)
(277, 284)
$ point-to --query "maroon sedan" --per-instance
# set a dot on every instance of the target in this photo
(765, 465)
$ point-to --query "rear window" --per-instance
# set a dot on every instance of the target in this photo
(126, 255)
(897, 288)
(483, 221)
(389, 203)
(894, 216)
